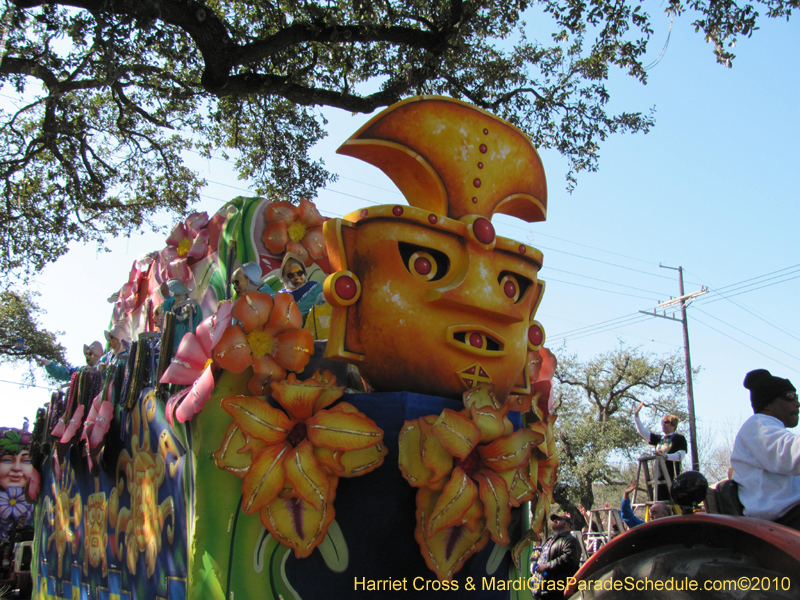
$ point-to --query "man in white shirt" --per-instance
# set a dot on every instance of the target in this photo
(766, 457)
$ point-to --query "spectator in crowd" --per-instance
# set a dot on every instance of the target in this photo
(659, 510)
(558, 561)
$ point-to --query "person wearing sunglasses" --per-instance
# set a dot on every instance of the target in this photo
(766, 456)
(295, 280)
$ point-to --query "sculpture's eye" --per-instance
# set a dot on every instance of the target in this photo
(514, 286)
(425, 264)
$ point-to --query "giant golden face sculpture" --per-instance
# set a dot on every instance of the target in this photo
(427, 298)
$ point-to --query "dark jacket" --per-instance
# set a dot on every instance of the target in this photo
(563, 560)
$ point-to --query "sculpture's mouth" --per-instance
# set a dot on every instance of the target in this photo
(476, 340)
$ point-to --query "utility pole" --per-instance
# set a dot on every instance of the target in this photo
(684, 300)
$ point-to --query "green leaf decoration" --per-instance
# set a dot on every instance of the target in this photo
(334, 549)
(495, 558)
(210, 588)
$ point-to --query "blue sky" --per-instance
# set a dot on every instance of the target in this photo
(712, 188)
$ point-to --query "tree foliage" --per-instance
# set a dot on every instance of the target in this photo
(21, 338)
(115, 92)
(595, 401)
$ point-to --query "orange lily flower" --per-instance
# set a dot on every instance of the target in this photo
(299, 454)
(294, 229)
(269, 338)
(464, 462)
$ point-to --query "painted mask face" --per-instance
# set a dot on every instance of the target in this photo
(439, 310)
(426, 297)
(15, 470)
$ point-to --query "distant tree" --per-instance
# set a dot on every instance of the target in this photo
(21, 335)
(113, 93)
(595, 400)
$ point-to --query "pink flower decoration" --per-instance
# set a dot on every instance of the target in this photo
(192, 365)
(188, 241)
(33, 487)
(72, 427)
(294, 229)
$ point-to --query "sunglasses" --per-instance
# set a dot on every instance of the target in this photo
(790, 396)
(294, 274)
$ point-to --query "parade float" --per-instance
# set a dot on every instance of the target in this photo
(293, 405)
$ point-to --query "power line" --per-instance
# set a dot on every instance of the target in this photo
(738, 341)
(603, 281)
(778, 326)
(750, 335)
(589, 287)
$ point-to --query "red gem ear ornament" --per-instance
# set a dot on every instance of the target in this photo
(342, 288)
(535, 336)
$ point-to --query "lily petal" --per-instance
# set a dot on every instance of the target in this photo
(295, 523)
(343, 427)
(298, 398)
(510, 452)
(494, 495)
(410, 459)
(491, 422)
(309, 481)
(434, 456)
(456, 432)
(265, 478)
(457, 496)
(446, 552)
(236, 453)
(258, 419)
(361, 462)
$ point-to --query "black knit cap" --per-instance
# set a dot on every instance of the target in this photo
(765, 387)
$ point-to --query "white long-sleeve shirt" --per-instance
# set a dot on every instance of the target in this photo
(766, 465)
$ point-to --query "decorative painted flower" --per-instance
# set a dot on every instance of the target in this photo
(294, 229)
(193, 365)
(188, 241)
(471, 468)
(299, 454)
(13, 504)
(269, 337)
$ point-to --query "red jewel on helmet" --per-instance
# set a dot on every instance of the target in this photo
(397, 211)
(476, 340)
(432, 219)
(483, 230)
